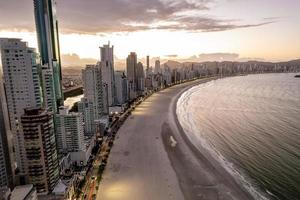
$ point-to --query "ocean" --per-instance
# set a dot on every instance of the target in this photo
(251, 125)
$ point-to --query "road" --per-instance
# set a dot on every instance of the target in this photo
(152, 158)
(137, 168)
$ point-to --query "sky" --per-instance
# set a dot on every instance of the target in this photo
(170, 29)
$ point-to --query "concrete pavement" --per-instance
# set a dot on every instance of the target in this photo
(151, 160)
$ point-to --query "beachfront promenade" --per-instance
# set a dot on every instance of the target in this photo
(151, 160)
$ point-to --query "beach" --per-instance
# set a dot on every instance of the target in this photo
(152, 158)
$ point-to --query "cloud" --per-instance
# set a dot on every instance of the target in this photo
(106, 16)
(218, 57)
(171, 56)
(73, 60)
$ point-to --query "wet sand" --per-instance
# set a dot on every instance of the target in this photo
(153, 159)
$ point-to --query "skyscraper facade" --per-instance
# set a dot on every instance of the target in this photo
(121, 87)
(48, 89)
(40, 148)
(86, 108)
(69, 131)
(131, 69)
(157, 69)
(48, 43)
(148, 66)
(107, 69)
(6, 148)
(140, 77)
(22, 88)
(93, 88)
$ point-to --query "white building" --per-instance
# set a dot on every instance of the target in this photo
(70, 137)
(93, 89)
(86, 107)
(121, 87)
(22, 87)
(157, 69)
(107, 69)
(69, 131)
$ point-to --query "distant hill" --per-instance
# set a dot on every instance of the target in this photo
(173, 64)
(176, 64)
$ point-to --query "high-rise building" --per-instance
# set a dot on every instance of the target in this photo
(148, 62)
(107, 69)
(140, 77)
(69, 131)
(6, 148)
(93, 89)
(131, 68)
(48, 89)
(121, 87)
(157, 67)
(148, 66)
(40, 148)
(48, 43)
(86, 108)
(167, 75)
(105, 90)
(22, 88)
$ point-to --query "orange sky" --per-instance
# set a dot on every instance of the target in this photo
(181, 28)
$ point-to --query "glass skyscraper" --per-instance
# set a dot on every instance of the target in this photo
(48, 42)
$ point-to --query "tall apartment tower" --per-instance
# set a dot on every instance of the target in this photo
(140, 76)
(148, 66)
(107, 69)
(69, 131)
(93, 89)
(85, 107)
(148, 62)
(121, 87)
(157, 69)
(48, 89)
(40, 148)
(22, 88)
(131, 68)
(6, 148)
(48, 43)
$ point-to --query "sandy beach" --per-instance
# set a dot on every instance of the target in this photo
(152, 158)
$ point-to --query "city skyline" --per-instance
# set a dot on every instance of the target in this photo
(207, 33)
(169, 125)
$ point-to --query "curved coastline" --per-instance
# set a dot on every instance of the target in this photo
(239, 121)
(218, 182)
(151, 159)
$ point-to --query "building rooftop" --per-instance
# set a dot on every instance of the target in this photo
(60, 188)
(21, 192)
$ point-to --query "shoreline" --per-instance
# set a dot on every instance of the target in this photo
(144, 164)
(216, 174)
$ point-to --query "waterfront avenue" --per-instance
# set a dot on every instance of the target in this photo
(151, 159)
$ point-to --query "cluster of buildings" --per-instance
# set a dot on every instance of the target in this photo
(39, 138)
